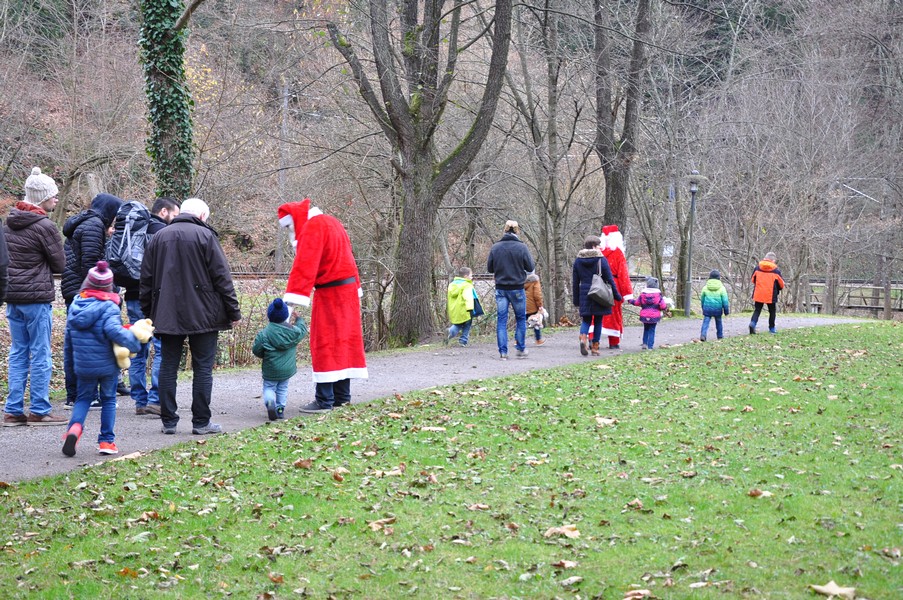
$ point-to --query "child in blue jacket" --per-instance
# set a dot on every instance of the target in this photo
(714, 303)
(94, 323)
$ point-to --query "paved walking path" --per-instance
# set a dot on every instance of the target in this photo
(28, 452)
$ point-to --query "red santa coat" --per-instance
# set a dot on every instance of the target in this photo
(324, 262)
(613, 324)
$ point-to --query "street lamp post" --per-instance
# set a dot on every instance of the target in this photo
(688, 289)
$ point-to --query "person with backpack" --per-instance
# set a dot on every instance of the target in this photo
(133, 228)
(86, 240)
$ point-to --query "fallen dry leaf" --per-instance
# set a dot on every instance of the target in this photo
(478, 506)
(303, 463)
(432, 429)
(338, 476)
(634, 594)
(565, 564)
(568, 531)
(635, 504)
(380, 523)
(757, 493)
(832, 590)
(605, 421)
(571, 581)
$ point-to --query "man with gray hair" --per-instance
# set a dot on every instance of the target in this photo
(186, 289)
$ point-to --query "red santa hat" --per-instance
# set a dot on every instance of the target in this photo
(606, 229)
(614, 240)
(294, 214)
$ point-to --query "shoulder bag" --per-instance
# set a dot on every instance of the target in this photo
(599, 290)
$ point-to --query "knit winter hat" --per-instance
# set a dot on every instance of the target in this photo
(106, 205)
(771, 256)
(714, 274)
(39, 187)
(277, 311)
(100, 277)
(651, 282)
(512, 227)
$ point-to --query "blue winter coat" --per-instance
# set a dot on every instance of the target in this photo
(588, 263)
(94, 325)
(714, 299)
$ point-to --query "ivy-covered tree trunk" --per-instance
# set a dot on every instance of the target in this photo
(168, 100)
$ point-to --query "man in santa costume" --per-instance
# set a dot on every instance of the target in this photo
(613, 324)
(324, 262)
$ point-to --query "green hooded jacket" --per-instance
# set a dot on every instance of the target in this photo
(277, 345)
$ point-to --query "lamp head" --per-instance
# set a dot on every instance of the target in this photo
(694, 181)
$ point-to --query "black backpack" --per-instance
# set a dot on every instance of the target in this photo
(126, 248)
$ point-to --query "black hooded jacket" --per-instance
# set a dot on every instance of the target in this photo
(86, 241)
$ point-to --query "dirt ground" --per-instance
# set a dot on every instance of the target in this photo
(28, 452)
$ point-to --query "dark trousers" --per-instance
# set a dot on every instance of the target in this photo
(334, 393)
(772, 312)
(203, 356)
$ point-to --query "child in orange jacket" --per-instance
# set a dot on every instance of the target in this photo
(768, 284)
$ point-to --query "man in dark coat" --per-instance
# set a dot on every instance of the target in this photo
(510, 261)
(35, 254)
(86, 240)
(147, 400)
(186, 289)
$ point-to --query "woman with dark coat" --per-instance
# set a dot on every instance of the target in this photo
(589, 262)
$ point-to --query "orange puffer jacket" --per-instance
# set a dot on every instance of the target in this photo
(768, 281)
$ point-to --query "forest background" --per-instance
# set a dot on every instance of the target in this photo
(424, 126)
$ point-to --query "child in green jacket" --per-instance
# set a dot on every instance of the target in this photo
(277, 345)
(714, 303)
(460, 306)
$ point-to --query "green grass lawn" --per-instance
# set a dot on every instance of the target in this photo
(751, 467)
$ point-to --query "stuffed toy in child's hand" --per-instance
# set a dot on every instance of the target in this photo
(143, 330)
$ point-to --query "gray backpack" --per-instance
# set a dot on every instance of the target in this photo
(126, 248)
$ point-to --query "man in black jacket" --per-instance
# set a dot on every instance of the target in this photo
(147, 400)
(510, 261)
(186, 289)
(86, 242)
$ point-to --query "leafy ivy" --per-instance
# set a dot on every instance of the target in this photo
(169, 101)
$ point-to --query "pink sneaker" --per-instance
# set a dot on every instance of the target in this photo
(71, 439)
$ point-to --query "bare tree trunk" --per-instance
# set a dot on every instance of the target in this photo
(413, 93)
(618, 150)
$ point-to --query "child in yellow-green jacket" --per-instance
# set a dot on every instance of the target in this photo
(460, 305)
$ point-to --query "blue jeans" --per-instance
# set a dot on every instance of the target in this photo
(719, 328)
(597, 327)
(333, 393)
(138, 369)
(517, 299)
(649, 334)
(87, 387)
(463, 328)
(29, 352)
(276, 392)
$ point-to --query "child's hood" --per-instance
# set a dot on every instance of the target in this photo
(457, 286)
(649, 290)
(713, 285)
(85, 312)
(767, 265)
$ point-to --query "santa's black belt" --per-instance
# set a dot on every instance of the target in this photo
(335, 283)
